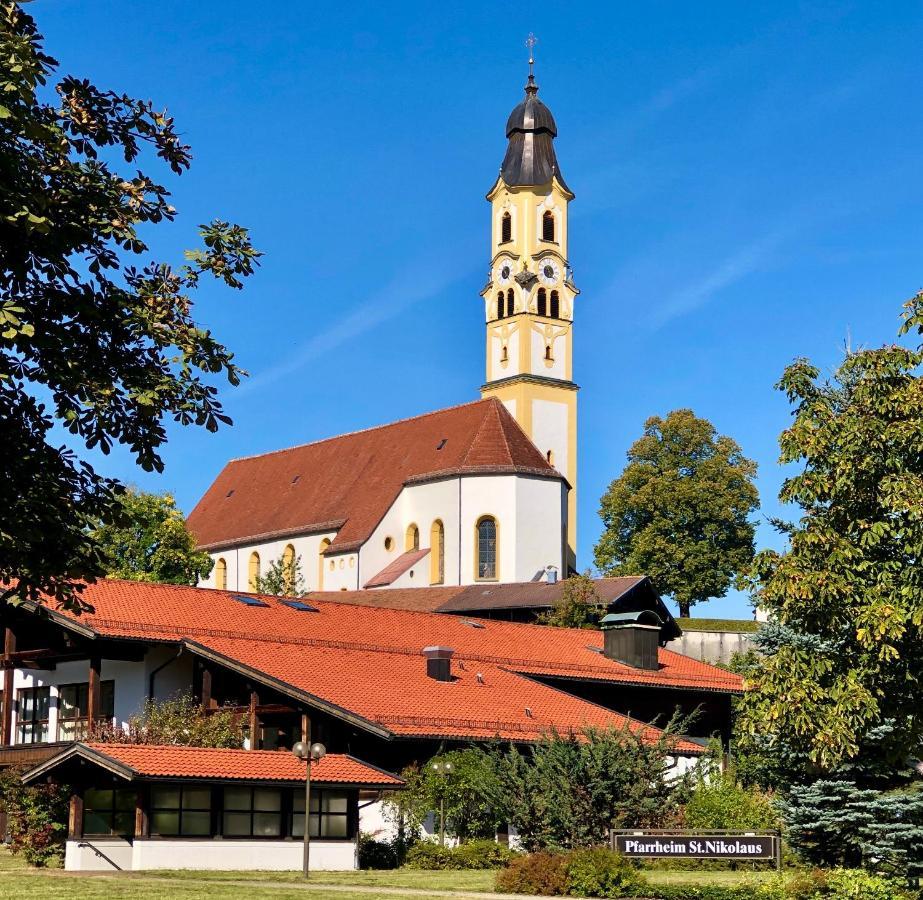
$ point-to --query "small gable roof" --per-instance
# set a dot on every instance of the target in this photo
(347, 483)
(159, 761)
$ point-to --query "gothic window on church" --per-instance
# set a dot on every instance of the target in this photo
(324, 544)
(509, 302)
(541, 304)
(487, 549)
(506, 228)
(412, 538)
(437, 553)
(254, 573)
(548, 226)
(221, 574)
(500, 304)
(555, 305)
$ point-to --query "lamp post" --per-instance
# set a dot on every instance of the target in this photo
(308, 753)
(444, 769)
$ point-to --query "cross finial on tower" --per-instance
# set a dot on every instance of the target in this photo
(531, 41)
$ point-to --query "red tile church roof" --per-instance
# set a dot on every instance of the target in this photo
(347, 483)
(364, 664)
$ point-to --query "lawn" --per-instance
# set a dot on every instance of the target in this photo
(18, 882)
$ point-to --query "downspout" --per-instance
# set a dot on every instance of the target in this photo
(150, 682)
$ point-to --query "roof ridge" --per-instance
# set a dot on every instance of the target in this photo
(336, 437)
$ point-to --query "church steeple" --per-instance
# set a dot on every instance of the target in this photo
(529, 296)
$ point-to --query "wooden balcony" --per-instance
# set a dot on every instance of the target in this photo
(29, 754)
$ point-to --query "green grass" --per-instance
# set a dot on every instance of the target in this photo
(744, 625)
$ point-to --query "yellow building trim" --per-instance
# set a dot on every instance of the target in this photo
(324, 544)
(253, 571)
(437, 552)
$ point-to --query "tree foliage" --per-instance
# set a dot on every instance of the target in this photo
(36, 817)
(720, 801)
(283, 578)
(89, 341)
(680, 510)
(579, 605)
(177, 720)
(147, 540)
(844, 655)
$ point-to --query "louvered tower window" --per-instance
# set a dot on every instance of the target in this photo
(506, 228)
(555, 306)
(542, 302)
(509, 302)
(548, 226)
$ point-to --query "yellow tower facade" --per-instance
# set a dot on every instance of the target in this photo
(529, 296)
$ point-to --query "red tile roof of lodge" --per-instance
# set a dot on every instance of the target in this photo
(201, 763)
(347, 483)
(365, 662)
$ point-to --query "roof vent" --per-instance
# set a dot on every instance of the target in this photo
(228, 494)
(480, 677)
(442, 443)
(551, 574)
(632, 638)
(296, 479)
(247, 600)
(471, 623)
(529, 713)
(439, 662)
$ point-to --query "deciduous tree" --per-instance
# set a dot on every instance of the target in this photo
(844, 655)
(680, 511)
(93, 338)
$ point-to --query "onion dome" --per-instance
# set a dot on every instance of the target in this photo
(531, 130)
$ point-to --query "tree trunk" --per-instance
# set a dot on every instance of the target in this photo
(684, 607)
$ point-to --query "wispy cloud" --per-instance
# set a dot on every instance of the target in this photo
(728, 271)
(416, 282)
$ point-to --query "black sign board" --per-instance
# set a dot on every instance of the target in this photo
(693, 846)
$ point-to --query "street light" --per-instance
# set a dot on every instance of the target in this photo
(443, 769)
(309, 754)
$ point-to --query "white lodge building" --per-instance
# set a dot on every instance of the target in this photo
(480, 492)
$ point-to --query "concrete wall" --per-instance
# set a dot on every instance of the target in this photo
(712, 646)
(206, 854)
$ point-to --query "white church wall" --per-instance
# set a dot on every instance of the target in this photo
(540, 508)
(341, 572)
(489, 495)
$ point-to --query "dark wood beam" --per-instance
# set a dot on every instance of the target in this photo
(75, 817)
(9, 648)
(207, 700)
(254, 721)
(93, 709)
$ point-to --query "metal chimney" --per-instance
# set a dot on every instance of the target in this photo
(439, 662)
(632, 638)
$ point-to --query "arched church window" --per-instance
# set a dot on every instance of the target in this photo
(324, 544)
(288, 568)
(486, 549)
(555, 306)
(506, 228)
(412, 538)
(437, 553)
(254, 571)
(541, 303)
(509, 302)
(548, 226)
(221, 575)
(500, 304)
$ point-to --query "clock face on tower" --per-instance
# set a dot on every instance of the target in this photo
(549, 271)
(504, 271)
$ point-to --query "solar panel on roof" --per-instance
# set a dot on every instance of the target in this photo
(299, 605)
(248, 601)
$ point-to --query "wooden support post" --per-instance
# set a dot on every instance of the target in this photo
(306, 728)
(93, 694)
(9, 648)
(141, 826)
(254, 721)
(75, 817)
(206, 688)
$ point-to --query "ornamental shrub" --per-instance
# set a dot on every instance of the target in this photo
(720, 801)
(857, 884)
(536, 873)
(428, 855)
(375, 854)
(481, 854)
(600, 873)
(36, 817)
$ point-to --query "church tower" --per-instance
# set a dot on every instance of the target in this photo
(529, 296)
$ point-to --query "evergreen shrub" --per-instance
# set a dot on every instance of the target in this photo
(480, 854)
(600, 873)
(536, 873)
(375, 854)
(36, 818)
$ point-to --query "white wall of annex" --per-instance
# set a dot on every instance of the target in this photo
(421, 505)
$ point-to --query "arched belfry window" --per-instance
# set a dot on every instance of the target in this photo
(548, 226)
(500, 304)
(412, 538)
(506, 228)
(254, 573)
(221, 575)
(509, 302)
(437, 553)
(555, 305)
(541, 304)
(487, 549)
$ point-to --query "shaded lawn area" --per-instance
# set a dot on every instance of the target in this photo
(19, 882)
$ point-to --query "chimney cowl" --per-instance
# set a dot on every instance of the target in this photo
(439, 662)
(632, 638)
(551, 574)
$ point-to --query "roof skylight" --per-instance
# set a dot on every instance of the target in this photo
(248, 600)
(300, 605)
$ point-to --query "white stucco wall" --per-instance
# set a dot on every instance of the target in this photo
(557, 366)
(550, 431)
(207, 854)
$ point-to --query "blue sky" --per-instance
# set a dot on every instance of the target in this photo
(747, 179)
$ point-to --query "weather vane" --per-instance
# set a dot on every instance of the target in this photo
(531, 41)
